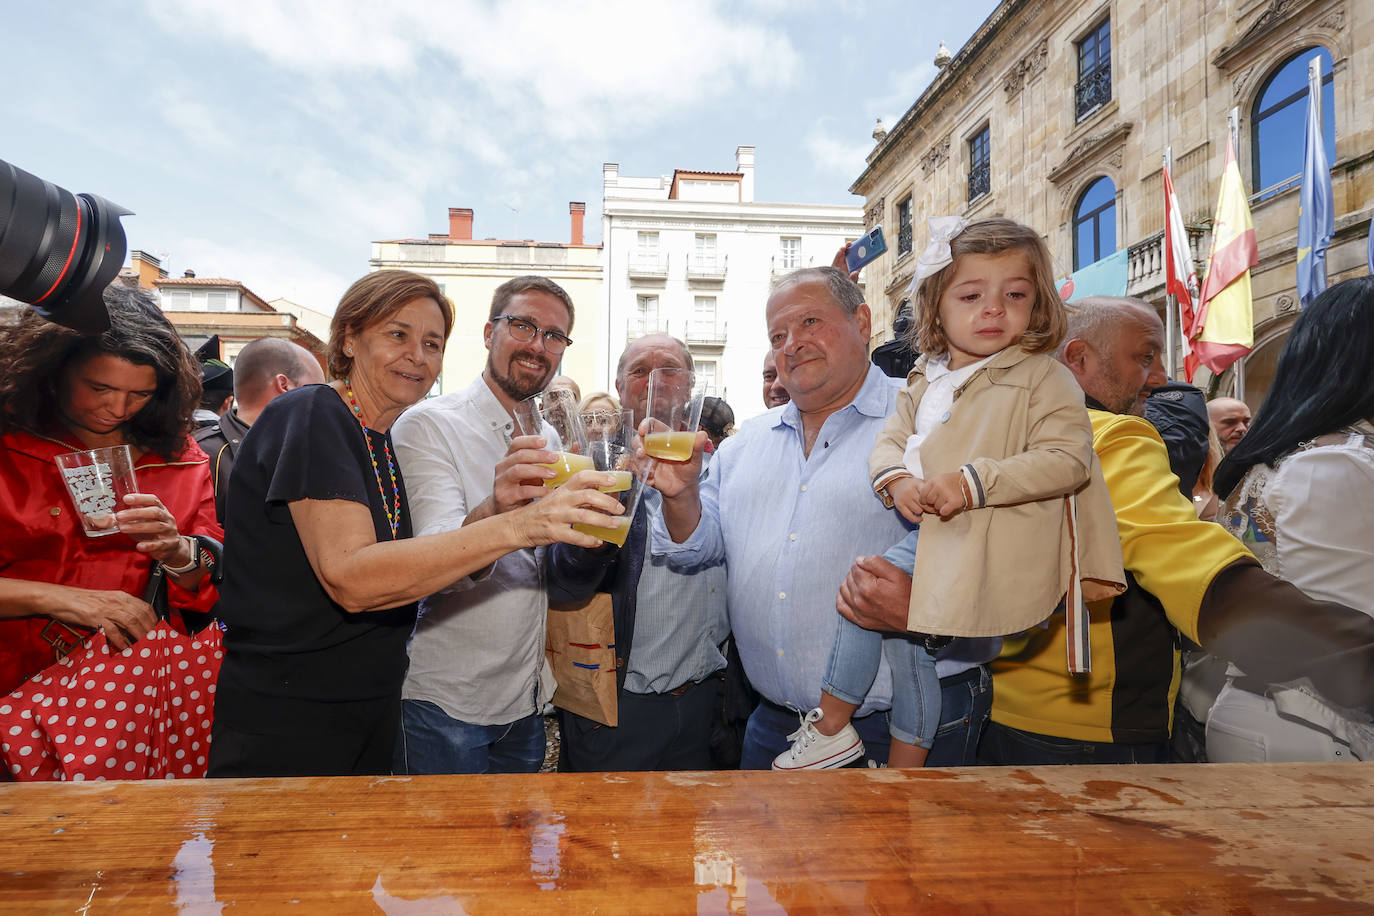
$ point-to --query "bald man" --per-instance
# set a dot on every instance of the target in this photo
(264, 369)
(1230, 420)
(670, 622)
(567, 384)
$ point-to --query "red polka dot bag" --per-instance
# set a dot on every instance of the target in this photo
(143, 713)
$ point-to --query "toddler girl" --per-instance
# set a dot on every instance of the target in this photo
(991, 438)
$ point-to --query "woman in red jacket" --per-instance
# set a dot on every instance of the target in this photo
(133, 385)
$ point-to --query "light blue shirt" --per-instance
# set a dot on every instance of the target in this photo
(680, 621)
(789, 527)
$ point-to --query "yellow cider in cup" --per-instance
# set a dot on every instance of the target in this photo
(623, 479)
(568, 464)
(614, 535)
(674, 446)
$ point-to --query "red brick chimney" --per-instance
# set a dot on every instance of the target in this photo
(460, 223)
(577, 210)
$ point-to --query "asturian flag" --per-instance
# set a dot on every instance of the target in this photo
(1316, 206)
(1223, 326)
(1180, 276)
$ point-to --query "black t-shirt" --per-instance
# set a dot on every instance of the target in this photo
(287, 639)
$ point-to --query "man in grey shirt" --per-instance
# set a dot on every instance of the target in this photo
(669, 623)
(477, 683)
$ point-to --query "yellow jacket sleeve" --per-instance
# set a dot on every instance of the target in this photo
(1171, 552)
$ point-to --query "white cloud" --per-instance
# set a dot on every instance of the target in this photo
(905, 86)
(583, 69)
(191, 118)
(844, 158)
(268, 271)
(364, 110)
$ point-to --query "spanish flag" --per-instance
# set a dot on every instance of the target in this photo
(1223, 328)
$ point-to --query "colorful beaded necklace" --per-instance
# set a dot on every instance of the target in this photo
(394, 519)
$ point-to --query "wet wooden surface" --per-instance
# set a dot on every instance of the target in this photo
(1194, 839)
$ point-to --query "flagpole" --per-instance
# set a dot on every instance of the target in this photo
(1170, 302)
(1233, 127)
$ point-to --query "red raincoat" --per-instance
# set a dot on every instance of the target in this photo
(41, 538)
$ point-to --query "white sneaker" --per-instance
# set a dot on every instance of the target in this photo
(813, 751)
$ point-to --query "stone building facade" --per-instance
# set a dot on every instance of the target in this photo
(1050, 97)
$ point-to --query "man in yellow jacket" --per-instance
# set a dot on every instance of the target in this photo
(1186, 579)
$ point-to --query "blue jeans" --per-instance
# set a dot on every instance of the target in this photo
(1003, 745)
(915, 686)
(765, 737)
(432, 741)
(965, 705)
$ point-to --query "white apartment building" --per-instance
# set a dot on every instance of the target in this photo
(694, 255)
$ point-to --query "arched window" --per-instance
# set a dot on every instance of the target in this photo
(1280, 117)
(1094, 224)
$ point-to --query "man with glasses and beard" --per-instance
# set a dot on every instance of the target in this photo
(478, 682)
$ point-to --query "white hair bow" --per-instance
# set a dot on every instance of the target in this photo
(937, 255)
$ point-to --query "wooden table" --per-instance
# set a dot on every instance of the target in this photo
(1197, 839)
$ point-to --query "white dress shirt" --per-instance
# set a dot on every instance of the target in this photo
(478, 648)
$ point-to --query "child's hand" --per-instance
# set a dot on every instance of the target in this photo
(943, 494)
(906, 496)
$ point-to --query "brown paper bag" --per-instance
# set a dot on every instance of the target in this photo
(580, 645)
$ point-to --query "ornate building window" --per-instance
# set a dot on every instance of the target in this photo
(1094, 224)
(1094, 88)
(979, 164)
(1280, 117)
(904, 227)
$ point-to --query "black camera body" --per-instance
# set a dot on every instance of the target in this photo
(58, 250)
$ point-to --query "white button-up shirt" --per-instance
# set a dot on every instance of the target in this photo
(478, 648)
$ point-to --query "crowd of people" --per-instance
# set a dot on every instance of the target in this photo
(1024, 545)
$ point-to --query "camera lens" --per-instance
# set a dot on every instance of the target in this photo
(58, 250)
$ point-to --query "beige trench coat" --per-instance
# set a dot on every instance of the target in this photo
(1021, 434)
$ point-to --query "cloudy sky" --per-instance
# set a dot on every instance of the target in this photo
(272, 142)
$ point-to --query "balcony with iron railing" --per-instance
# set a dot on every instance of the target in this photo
(979, 180)
(706, 267)
(649, 264)
(784, 263)
(904, 238)
(1145, 262)
(706, 333)
(640, 325)
(1093, 90)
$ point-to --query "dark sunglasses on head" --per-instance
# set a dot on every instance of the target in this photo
(524, 331)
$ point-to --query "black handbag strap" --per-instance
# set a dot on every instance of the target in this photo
(156, 592)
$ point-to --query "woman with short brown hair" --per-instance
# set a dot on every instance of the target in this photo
(322, 573)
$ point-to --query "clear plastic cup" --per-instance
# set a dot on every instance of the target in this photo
(554, 416)
(611, 448)
(98, 480)
(674, 413)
